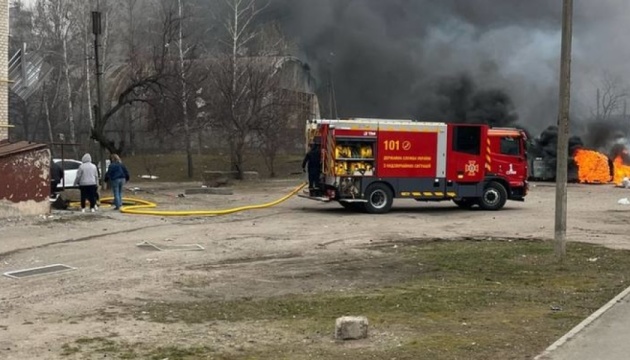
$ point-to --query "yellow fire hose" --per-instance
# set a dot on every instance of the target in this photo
(139, 207)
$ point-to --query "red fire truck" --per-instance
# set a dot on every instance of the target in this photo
(366, 163)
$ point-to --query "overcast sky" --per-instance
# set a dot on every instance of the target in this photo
(388, 52)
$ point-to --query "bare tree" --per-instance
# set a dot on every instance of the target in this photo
(65, 32)
(54, 26)
(158, 76)
(142, 78)
(238, 78)
(273, 131)
(47, 103)
(611, 95)
(285, 105)
(132, 52)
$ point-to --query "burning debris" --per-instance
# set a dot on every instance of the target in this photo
(621, 164)
(593, 167)
(597, 168)
(622, 173)
(586, 166)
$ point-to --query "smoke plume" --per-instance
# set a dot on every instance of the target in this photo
(457, 99)
(602, 135)
(545, 149)
(393, 58)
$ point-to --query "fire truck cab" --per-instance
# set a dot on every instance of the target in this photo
(366, 163)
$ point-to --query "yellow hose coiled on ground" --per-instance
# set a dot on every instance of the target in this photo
(139, 207)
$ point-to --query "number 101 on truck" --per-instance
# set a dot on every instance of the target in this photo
(367, 163)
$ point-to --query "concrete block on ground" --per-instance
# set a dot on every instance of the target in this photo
(351, 328)
(210, 190)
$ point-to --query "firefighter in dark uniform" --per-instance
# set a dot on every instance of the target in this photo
(314, 161)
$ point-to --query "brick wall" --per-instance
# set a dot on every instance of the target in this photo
(4, 64)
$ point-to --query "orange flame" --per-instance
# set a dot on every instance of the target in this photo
(592, 167)
(621, 171)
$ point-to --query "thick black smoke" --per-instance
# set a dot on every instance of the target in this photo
(458, 99)
(544, 152)
(602, 134)
(385, 56)
(620, 149)
(547, 142)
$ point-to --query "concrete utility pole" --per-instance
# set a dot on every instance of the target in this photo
(563, 131)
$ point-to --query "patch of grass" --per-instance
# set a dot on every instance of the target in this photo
(120, 350)
(101, 345)
(456, 300)
(179, 353)
(67, 350)
(85, 341)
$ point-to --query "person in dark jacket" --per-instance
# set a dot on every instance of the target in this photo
(117, 175)
(313, 160)
(56, 175)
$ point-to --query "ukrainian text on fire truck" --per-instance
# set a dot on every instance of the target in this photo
(410, 162)
(400, 161)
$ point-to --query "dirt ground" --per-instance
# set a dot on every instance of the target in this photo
(294, 247)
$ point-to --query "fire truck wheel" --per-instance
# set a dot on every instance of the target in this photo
(379, 199)
(494, 196)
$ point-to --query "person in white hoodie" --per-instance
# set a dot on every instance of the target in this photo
(87, 180)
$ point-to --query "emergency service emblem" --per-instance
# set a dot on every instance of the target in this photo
(472, 168)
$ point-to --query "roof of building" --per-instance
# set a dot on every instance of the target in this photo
(8, 148)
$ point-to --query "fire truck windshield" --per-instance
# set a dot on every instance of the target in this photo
(510, 146)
